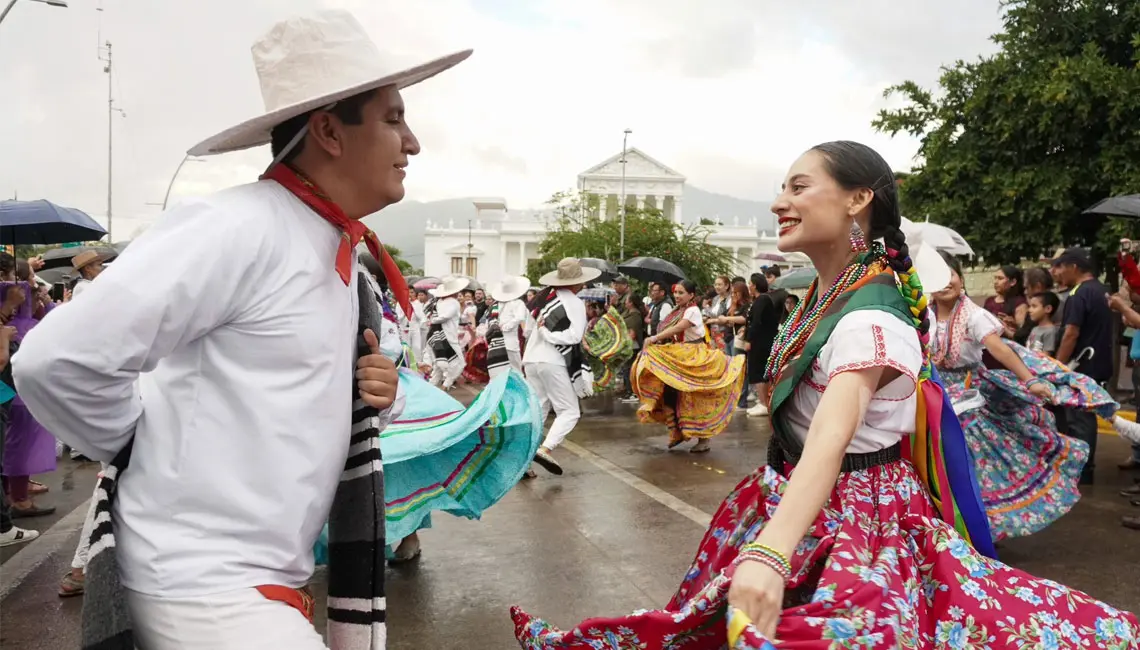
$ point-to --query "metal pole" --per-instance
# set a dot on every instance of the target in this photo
(624, 139)
(110, 137)
(6, 10)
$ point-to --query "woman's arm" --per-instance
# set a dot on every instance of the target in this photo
(756, 588)
(1007, 357)
(676, 329)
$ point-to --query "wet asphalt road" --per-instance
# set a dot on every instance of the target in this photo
(615, 533)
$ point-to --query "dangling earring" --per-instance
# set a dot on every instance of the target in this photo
(858, 241)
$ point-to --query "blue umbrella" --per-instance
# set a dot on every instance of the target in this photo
(43, 222)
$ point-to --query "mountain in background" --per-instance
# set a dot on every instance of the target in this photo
(402, 225)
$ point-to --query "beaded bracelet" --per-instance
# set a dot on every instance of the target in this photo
(766, 560)
(768, 555)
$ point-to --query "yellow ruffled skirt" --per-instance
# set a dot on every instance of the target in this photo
(691, 388)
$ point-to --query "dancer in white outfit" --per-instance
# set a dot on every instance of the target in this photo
(443, 353)
(554, 362)
(510, 315)
(418, 325)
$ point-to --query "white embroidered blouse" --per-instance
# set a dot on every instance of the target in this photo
(865, 339)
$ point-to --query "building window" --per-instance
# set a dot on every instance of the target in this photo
(456, 265)
(472, 267)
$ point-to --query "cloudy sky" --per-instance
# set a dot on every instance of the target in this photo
(728, 92)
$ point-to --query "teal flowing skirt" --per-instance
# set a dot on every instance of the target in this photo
(440, 456)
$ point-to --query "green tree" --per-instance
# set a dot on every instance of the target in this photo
(1016, 145)
(577, 231)
(405, 266)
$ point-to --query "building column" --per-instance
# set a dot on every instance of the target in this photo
(677, 209)
(640, 201)
(603, 204)
(522, 257)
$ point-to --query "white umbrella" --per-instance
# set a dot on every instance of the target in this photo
(938, 236)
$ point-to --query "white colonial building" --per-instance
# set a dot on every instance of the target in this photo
(496, 242)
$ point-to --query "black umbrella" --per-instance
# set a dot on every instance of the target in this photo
(59, 258)
(43, 222)
(608, 269)
(652, 269)
(1127, 206)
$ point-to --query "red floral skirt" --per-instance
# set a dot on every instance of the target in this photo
(476, 369)
(878, 569)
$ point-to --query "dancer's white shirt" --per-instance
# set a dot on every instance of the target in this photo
(696, 329)
(865, 339)
(512, 316)
(979, 325)
(225, 342)
(541, 341)
(447, 313)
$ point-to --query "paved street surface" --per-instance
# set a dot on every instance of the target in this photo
(615, 533)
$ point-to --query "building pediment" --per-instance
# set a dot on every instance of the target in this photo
(638, 164)
(462, 250)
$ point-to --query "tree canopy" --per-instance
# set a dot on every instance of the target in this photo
(405, 266)
(1016, 145)
(576, 231)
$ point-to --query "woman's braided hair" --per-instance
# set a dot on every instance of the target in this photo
(853, 166)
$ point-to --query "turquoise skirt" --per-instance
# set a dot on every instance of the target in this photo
(440, 456)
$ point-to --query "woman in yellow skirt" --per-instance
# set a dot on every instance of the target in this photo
(681, 380)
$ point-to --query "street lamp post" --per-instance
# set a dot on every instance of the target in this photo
(53, 3)
(178, 169)
(624, 141)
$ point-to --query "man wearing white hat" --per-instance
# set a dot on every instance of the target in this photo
(503, 339)
(444, 354)
(226, 379)
(554, 363)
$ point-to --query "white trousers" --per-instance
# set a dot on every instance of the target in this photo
(552, 384)
(515, 358)
(235, 620)
(444, 373)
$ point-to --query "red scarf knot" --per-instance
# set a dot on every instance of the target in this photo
(352, 232)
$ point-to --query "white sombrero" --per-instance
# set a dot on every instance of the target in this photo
(449, 287)
(509, 288)
(569, 273)
(306, 63)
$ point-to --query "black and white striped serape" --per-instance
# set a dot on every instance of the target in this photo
(441, 348)
(553, 314)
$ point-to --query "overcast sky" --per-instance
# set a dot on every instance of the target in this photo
(728, 92)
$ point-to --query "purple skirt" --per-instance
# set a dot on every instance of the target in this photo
(29, 448)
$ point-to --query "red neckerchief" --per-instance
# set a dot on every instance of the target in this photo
(352, 231)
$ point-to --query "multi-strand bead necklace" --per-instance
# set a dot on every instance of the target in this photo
(791, 340)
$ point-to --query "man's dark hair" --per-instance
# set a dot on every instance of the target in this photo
(773, 271)
(7, 264)
(760, 282)
(350, 111)
(739, 278)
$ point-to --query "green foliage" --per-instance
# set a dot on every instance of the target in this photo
(577, 231)
(405, 267)
(1016, 145)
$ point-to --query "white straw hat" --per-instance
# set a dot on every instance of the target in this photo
(306, 63)
(449, 287)
(509, 288)
(569, 273)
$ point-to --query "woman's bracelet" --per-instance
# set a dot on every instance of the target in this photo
(776, 560)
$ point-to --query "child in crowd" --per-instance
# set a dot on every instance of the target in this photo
(1045, 336)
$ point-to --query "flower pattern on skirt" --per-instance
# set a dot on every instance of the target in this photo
(878, 569)
(1028, 473)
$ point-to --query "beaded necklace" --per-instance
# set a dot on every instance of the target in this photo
(801, 324)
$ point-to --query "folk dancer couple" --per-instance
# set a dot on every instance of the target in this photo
(239, 397)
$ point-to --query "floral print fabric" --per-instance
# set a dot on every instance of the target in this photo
(878, 569)
(1028, 473)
